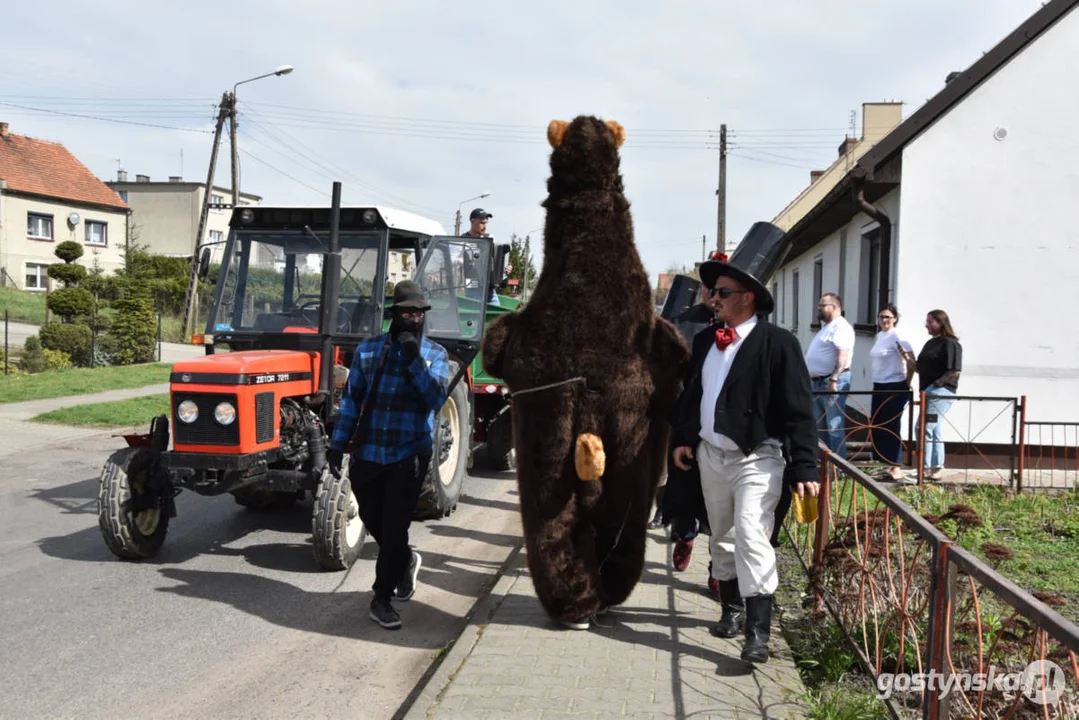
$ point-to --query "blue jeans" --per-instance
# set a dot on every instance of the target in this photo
(830, 410)
(938, 401)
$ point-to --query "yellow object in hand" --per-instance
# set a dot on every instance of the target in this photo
(805, 508)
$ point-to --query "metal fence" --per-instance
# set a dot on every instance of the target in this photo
(1049, 455)
(942, 633)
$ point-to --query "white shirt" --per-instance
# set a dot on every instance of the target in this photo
(717, 365)
(829, 340)
(888, 365)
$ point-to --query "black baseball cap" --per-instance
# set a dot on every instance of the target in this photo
(479, 213)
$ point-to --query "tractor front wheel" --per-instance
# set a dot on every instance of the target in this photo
(500, 452)
(446, 476)
(130, 536)
(337, 532)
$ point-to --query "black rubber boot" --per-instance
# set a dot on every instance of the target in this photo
(758, 628)
(734, 610)
(658, 520)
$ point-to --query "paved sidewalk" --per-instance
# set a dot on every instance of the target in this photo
(33, 408)
(652, 657)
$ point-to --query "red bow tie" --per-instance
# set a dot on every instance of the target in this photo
(724, 337)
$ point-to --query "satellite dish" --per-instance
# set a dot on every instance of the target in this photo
(73, 218)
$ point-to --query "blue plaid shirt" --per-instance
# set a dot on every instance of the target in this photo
(401, 421)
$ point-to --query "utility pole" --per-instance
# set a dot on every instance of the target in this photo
(524, 275)
(227, 109)
(721, 193)
(703, 258)
(457, 224)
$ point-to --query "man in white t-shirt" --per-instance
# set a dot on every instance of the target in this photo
(828, 359)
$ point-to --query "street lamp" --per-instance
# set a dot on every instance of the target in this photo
(226, 111)
(457, 221)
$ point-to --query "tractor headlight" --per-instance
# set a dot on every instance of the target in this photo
(187, 412)
(225, 413)
(247, 216)
(369, 217)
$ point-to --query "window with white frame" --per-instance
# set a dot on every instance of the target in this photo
(36, 276)
(818, 277)
(215, 236)
(794, 300)
(217, 200)
(97, 233)
(39, 226)
(870, 277)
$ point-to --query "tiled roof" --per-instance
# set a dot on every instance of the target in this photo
(44, 168)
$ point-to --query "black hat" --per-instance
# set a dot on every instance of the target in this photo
(479, 213)
(752, 263)
(408, 294)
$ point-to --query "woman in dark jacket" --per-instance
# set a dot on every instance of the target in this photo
(938, 364)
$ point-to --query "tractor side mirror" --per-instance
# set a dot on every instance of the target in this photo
(204, 264)
(500, 276)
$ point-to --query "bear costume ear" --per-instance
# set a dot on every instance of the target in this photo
(619, 132)
(555, 130)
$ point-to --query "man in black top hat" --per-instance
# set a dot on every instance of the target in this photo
(746, 421)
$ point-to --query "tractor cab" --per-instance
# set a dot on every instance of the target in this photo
(296, 290)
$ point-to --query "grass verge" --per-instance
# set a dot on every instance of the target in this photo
(23, 306)
(80, 381)
(120, 413)
(821, 652)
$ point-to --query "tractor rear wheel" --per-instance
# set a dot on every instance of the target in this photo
(446, 476)
(500, 452)
(337, 532)
(258, 499)
(129, 537)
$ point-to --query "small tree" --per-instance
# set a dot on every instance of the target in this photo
(516, 261)
(133, 332)
(72, 303)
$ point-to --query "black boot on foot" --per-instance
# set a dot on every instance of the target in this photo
(758, 628)
(734, 615)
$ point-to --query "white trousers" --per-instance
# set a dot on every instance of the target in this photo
(741, 492)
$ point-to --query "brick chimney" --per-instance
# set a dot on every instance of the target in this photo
(846, 146)
(814, 175)
(3, 129)
(175, 179)
(121, 176)
(142, 178)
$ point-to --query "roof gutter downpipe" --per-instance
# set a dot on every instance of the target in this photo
(883, 284)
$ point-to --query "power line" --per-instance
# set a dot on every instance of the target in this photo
(105, 119)
(280, 171)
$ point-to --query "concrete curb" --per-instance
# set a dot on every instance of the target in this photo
(445, 669)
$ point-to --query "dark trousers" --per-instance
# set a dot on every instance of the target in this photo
(387, 497)
(887, 421)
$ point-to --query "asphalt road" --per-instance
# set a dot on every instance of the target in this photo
(233, 618)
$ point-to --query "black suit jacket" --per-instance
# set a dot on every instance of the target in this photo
(767, 394)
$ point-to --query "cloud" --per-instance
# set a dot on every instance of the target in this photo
(424, 104)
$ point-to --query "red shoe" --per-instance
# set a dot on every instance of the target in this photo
(713, 587)
(683, 551)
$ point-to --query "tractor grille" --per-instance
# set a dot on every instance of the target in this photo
(205, 430)
(264, 416)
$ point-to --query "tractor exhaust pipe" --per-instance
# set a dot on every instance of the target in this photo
(331, 275)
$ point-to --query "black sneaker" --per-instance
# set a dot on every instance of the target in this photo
(406, 588)
(384, 614)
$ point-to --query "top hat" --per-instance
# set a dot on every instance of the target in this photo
(752, 263)
(408, 295)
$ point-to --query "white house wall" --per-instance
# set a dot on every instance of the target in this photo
(989, 233)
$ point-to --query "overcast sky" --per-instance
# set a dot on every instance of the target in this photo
(421, 105)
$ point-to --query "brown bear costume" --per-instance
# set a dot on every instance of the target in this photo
(593, 372)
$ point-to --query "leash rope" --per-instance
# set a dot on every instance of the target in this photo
(510, 396)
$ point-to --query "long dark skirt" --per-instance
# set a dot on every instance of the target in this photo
(887, 420)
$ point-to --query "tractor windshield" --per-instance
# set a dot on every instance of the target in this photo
(273, 283)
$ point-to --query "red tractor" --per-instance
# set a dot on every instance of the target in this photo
(297, 289)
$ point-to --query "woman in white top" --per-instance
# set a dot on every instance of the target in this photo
(890, 373)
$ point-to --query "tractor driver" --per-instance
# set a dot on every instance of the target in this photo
(397, 383)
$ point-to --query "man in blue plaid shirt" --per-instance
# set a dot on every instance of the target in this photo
(402, 377)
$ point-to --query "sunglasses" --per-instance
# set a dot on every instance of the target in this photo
(725, 292)
(886, 317)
